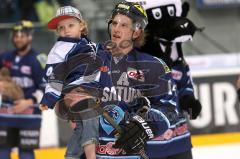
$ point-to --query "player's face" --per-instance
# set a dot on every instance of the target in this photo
(70, 27)
(21, 40)
(121, 29)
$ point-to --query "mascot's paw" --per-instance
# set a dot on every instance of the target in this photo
(191, 105)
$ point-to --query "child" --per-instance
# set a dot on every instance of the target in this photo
(71, 29)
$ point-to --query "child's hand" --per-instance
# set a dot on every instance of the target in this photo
(73, 124)
(43, 107)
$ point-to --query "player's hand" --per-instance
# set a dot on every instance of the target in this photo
(135, 135)
(21, 105)
(191, 105)
(43, 107)
(140, 105)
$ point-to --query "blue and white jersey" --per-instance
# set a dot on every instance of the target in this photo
(27, 71)
(178, 139)
(123, 78)
(127, 77)
(63, 49)
(182, 77)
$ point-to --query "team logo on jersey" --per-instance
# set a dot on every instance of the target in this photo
(135, 74)
(104, 68)
(26, 70)
(116, 113)
(177, 75)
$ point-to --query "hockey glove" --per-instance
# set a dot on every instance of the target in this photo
(134, 137)
(136, 132)
(191, 105)
(140, 105)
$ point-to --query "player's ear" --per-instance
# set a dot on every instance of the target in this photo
(137, 33)
(30, 37)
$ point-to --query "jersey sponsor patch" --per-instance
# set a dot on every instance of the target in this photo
(177, 75)
(179, 130)
(136, 74)
(116, 113)
(107, 149)
(23, 82)
(26, 70)
(42, 59)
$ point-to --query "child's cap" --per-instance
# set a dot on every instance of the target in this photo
(64, 13)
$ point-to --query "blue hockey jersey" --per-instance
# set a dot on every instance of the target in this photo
(27, 71)
(121, 83)
(124, 78)
(63, 49)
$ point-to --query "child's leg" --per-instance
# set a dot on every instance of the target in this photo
(90, 151)
(90, 137)
(74, 148)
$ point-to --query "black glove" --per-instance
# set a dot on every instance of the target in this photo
(134, 136)
(191, 105)
(136, 132)
(139, 106)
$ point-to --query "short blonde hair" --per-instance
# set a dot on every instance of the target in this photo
(85, 27)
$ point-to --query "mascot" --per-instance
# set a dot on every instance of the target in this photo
(167, 29)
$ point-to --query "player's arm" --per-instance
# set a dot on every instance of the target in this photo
(37, 67)
(187, 100)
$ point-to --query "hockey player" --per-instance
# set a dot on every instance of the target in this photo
(26, 68)
(127, 78)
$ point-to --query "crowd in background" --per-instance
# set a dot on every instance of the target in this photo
(34, 10)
